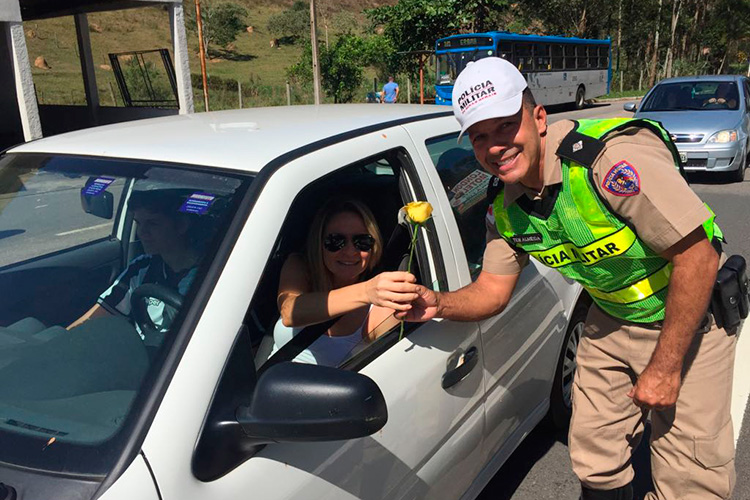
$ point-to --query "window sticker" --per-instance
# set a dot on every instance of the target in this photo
(97, 186)
(198, 203)
(469, 191)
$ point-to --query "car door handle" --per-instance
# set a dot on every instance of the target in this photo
(466, 362)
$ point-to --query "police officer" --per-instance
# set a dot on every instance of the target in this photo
(602, 202)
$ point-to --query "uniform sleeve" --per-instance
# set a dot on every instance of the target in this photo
(499, 257)
(637, 177)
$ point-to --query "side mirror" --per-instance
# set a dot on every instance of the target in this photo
(96, 200)
(301, 402)
(630, 107)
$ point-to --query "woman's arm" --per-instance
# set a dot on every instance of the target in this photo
(379, 321)
(301, 307)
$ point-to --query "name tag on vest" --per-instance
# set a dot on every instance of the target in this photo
(527, 238)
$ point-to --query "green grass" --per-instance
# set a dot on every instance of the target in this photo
(260, 68)
(625, 93)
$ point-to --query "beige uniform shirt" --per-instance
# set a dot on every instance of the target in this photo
(663, 212)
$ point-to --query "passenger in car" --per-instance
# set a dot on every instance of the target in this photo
(331, 281)
(170, 257)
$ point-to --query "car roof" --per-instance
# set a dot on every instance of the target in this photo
(698, 78)
(245, 139)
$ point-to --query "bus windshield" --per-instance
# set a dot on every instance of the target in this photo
(450, 64)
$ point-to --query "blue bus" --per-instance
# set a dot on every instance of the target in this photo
(558, 69)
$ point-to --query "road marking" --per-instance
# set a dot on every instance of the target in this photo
(741, 383)
(98, 226)
(41, 206)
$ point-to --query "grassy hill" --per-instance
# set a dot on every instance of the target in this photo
(260, 68)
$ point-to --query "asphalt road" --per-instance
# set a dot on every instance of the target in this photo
(540, 467)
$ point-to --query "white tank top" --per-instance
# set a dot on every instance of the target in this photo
(326, 351)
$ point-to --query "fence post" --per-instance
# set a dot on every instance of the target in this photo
(239, 92)
(621, 82)
(408, 90)
(288, 94)
(640, 81)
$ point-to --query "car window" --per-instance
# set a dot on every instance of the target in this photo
(465, 183)
(41, 213)
(81, 326)
(696, 96)
(380, 184)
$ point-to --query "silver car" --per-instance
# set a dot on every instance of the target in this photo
(707, 117)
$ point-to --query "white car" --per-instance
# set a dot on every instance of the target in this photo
(119, 408)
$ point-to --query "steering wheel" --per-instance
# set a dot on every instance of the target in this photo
(139, 308)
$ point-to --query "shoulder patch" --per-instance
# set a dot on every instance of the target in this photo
(490, 214)
(622, 180)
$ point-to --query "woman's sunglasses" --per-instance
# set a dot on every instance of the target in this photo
(335, 242)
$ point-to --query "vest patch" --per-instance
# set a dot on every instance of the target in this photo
(622, 180)
(527, 238)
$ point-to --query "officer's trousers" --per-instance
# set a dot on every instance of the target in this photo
(692, 444)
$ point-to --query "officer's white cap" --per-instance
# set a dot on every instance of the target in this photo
(489, 88)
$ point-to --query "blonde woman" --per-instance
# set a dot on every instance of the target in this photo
(332, 280)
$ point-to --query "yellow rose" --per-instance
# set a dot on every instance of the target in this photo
(418, 211)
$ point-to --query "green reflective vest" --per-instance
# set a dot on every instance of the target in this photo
(574, 232)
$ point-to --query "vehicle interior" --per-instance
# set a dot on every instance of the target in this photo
(377, 182)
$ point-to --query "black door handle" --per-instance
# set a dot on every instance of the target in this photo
(466, 363)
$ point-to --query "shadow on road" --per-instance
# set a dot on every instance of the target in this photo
(532, 451)
(710, 178)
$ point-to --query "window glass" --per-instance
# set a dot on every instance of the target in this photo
(505, 50)
(376, 183)
(593, 56)
(524, 60)
(541, 52)
(450, 64)
(62, 264)
(603, 56)
(570, 56)
(699, 95)
(465, 183)
(582, 56)
(557, 56)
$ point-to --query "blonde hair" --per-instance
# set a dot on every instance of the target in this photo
(319, 274)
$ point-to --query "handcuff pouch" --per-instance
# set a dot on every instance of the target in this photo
(729, 300)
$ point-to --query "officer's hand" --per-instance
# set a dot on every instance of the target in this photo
(656, 390)
(423, 308)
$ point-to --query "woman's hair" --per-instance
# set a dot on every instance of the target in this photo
(321, 281)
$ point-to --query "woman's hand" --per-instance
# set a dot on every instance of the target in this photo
(395, 290)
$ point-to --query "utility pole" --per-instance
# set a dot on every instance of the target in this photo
(201, 50)
(314, 40)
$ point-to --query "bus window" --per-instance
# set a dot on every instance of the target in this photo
(505, 50)
(582, 61)
(524, 60)
(557, 56)
(593, 57)
(570, 57)
(541, 53)
(603, 57)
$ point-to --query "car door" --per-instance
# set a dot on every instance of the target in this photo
(431, 445)
(522, 343)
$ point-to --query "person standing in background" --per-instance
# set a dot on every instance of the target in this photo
(390, 92)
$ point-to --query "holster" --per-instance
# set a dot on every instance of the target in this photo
(729, 300)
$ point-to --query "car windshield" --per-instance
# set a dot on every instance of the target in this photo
(702, 95)
(99, 261)
(450, 64)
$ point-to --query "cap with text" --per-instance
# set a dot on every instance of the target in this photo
(489, 88)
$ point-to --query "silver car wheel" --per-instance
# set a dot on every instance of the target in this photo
(569, 362)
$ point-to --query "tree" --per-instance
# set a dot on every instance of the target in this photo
(341, 65)
(221, 23)
(416, 24)
(293, 24)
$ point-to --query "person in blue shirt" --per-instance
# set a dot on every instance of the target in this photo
(390, 91)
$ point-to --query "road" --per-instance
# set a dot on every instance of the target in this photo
(540, 467)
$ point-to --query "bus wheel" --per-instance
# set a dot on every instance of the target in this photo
(580, 97)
